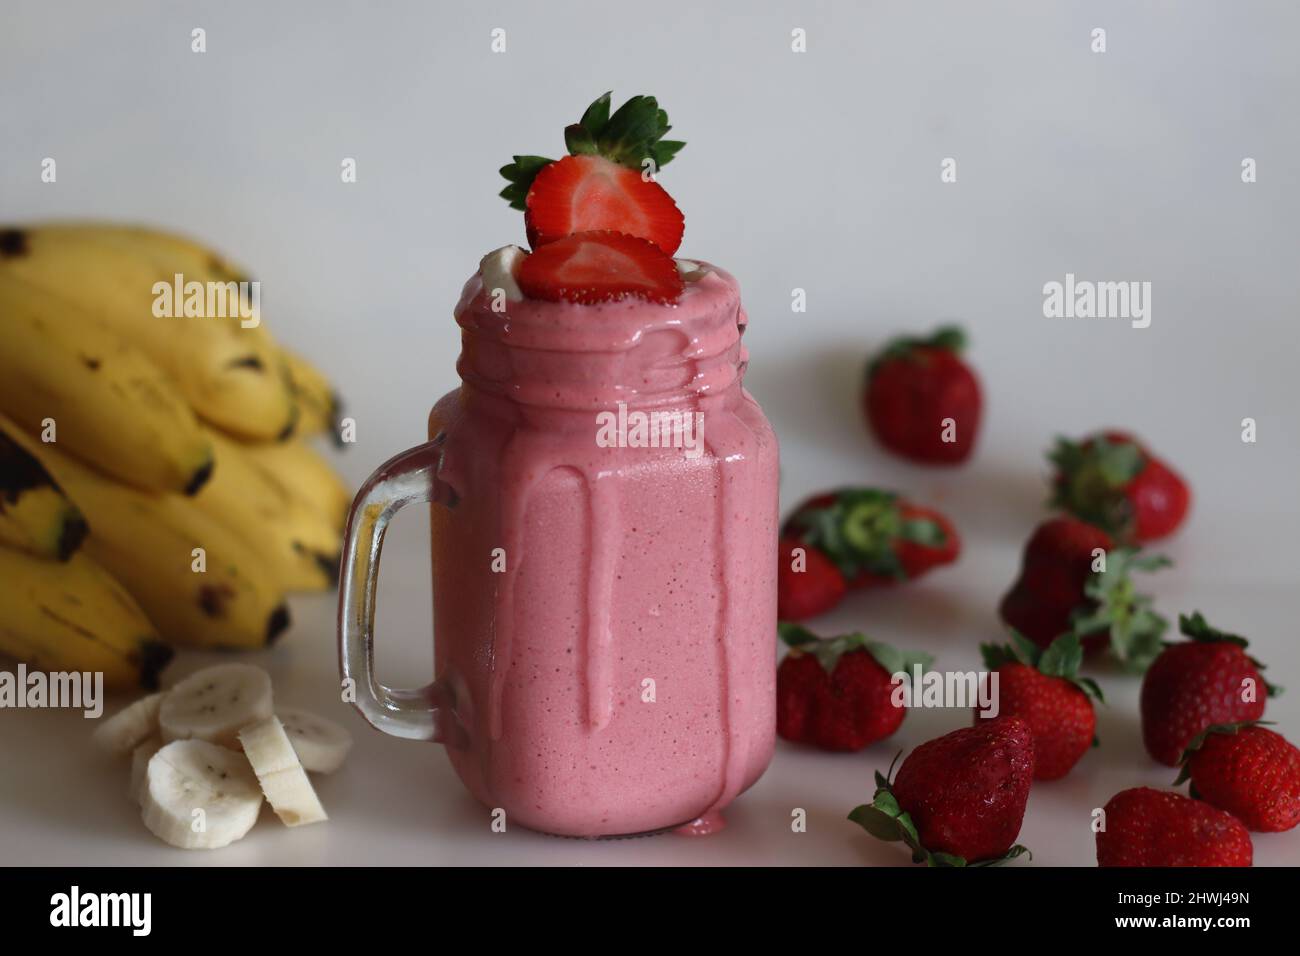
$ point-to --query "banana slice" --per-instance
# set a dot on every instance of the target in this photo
(140, 758)
(134, 723)
(321, 744)
(280, 773)
(214, 703)
(197, 795)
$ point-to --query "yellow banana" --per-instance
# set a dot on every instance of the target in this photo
(318, 404)
(73, 616)
(107, 400)
(307, 475)
(300, 546)
(178, 251)
(198, 582)
(227, 369)
(35, 515)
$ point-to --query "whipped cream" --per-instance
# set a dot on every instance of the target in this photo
(498, 271)
(690, 270)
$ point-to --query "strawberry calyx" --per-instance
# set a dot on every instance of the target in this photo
(829, 650)
(1136, 631)
(1197, 742)
(1060, 659)
(858, 528)
(947, 338)
(1198, 629)
(521, 174)
(1091, 477)
(885, 820)
(633, 134)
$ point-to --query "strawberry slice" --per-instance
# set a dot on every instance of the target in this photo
(599, 266)
(590, 193)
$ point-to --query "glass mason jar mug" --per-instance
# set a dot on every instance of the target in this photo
(604, 525)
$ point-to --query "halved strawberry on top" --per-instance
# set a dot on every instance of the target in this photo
(602, 185)
(591, 193)
(599, 266)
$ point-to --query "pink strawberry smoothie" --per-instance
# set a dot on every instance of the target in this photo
(605, 616)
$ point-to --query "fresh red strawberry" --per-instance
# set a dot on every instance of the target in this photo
(922, 400)
(1247, 770)
(606, 183)
(807, 582)
(1196, 684)
(874, 537)
(592, 267)
(959, 799)
(1111, 480)
(1146, 827)
(1074, 580)
(590, 193)
(838, 693)
(1043, 688)
(801, 683)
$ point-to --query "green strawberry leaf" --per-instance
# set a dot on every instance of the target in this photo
(1138, 639)
(1135, 631)
(950, 338)
(597, 114)
(521, 174)
(1197, 628)
(631, 135)
(579, 141)
(1025, 650)
(995, 655)
(1119, 463)
(1147, 562)
(925, 532)
(895, 661)
(857, 531)
(1062, 657)
(829, 650)
(1090, 687)
(1091, 478)
(1021, 650)
(879, 822)
(1011, 854)
(795, 635)
(663, 151)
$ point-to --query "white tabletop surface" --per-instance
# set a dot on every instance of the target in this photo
(817, 171)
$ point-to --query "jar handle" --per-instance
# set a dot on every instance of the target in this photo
(403, 479)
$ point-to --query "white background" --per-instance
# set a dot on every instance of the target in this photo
(818, 171)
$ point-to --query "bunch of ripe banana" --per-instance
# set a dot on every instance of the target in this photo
(157, 482)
